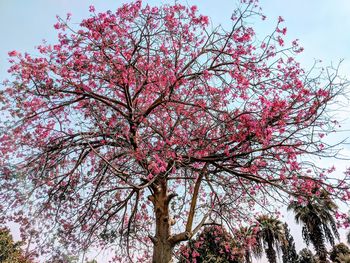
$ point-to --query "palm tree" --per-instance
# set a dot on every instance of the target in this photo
(289, 254)
(270, 235)
(317, 218)
(247, 238)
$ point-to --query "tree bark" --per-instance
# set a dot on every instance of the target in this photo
(162, 246)
(163, 241)
(247, 256)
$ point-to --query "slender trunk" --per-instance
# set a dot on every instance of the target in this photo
(162, 247)
(270, 253)
(247, 256)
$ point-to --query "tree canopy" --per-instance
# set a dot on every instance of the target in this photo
(270, 237)
(290, 254)
(317, 216)
(10, 251)
(213, 245)
(140, 125)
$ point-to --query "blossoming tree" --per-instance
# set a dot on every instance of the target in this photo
(144, 124)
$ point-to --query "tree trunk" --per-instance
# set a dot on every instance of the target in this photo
(271, 253)
(162, 248)
(247, 256)
(163, 252)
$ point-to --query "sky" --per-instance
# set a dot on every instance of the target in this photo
(322, 26)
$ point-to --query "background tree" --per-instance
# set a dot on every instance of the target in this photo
(340, 253)
(347, 223)
(141, 125)
(62, 257)
(10, 251)
(317, 217)
(306, 256)
(289, 253)
(213, 245)
(343, 258)
(246, 237)
(270, 236)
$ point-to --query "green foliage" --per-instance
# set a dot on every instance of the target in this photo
(63, 256)
(269, 236)
(213, 245)
(246, 237)
(66, 258)
(10, 251)
(340, 253)
(289, 255)
(317, 218)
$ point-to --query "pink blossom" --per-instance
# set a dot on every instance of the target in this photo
(13, 53)
(91, 8)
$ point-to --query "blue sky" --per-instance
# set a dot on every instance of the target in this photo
(322, 26)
